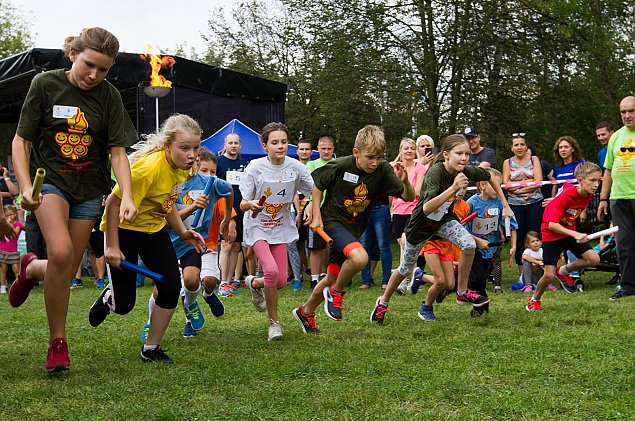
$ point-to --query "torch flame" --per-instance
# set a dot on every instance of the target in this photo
(156, 62)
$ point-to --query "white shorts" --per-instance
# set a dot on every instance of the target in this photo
(209, 265)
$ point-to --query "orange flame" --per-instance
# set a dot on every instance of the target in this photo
(156, 62)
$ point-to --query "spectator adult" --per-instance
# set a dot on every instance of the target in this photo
(525, 202)
(619, 188)
(8, 188)
(425, 150)
(480, 156)
(304, 156)
(603, 132)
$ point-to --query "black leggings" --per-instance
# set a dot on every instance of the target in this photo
(158, 255)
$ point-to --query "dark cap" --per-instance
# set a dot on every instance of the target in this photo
(470, 131)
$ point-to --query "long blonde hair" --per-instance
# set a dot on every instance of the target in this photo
(176, 123)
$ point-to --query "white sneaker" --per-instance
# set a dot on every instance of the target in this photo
(275, 331)
(3, 289)
(402, 288)
(257, 296)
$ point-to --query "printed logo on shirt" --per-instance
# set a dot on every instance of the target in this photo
(625, 153)
(569, 216)
(359, 202)
(74, 142)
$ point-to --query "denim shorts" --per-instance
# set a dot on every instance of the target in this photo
(90, 209)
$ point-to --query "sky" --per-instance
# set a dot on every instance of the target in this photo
(136, 23)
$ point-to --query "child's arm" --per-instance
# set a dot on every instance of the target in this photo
(408, 193)
(113, 253)
(201, 202)
(512, 249)
(481, 243)
(559, 229)
(460, 182)
(532, 260)
(190, 237)
(507, 211)
(121, 167)
(227, 216)
(315, 216)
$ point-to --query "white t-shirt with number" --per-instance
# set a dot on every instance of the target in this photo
(278, 183)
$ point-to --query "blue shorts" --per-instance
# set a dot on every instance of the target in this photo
(343, 242)
(90, 209)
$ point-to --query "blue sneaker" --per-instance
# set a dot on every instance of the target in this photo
(426, 313)
(235, 285)
(99, 283)
(297, 285)
(144, 332)
(194, 316)
(416, 280)
(189, 332)
(76, 283)
(215, 305)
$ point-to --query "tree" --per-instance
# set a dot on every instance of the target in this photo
(14, 34)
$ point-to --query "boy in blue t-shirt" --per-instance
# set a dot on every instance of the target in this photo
(486, 230)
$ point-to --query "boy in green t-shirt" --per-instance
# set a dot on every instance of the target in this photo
(352, 186)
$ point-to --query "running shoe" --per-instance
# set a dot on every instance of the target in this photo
(22, 286)
(76, 283)
(471, 297)
(235, 285)
(527, 288)
(567, 282)
(57, 358)
(379, 312)
(532, 306)
(442, 296)
(297, 285)
(189, 331)
(215, 305)
(416, 280)
(224, 290)
(498, 289)
(306, 321)
(621, 294)
(550, 287)
(100, 308)
(257, 295)
(426, 313)
(194, 315)
(275, 331)
(402, 288)
(99, 283)
(333, 302)
(156, 355)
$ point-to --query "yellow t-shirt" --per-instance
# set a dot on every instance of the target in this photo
(155, 188)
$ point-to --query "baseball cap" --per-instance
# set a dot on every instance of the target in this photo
(470, 131)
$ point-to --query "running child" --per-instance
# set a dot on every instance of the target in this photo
(9, 254)
(159, 170)
(433, 215)
(191, 199)
(559, 234)
(353, 185)
(533, 266)
(486, 229)
(270, 226)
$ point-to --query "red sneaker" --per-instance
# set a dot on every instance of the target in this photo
(567, 282)
(532, 305)
(22, 286)
(57, 359)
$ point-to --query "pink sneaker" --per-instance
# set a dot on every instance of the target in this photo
(527, 288)
(550, 287)
(57, 359)
(22, 286)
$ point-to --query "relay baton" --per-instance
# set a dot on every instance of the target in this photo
(607, 231)
(37, 183)
(141, 271)
(319, 231)
(199, 212)
(261, 202)
(508, 227)
(495, 244)
(469, 218)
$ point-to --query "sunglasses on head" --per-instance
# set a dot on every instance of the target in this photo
(519, 134)
(631, 149)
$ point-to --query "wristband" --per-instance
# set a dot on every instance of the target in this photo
(604, 200)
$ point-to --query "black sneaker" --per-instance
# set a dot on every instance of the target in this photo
(442, 296)
(333, 303)
(306, 321)
(215, 305)
(155, 355)
(99, 310)
(471, 297)
(479, 311)
(621, 294)
(313, 284)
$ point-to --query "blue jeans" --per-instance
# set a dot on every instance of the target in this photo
(378, 232)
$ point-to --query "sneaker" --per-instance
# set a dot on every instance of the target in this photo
(57, 359)
(527, 288)
(416, 280)
(3, 289)
(22, 286)
(426, 313)
(307, 321)
(313, 284)
(333, 303)
(215, 305)
(257, 296)
(156, 355)
(442, 296)
(402, 288)
(235, 285)
(621, 294)
(579, 285)
(471, 297)
(275, 331)
(225, 290)
(498, 289)
(532, 305)
(144, 332)
(76, 283)
(194, 315)
(189, 331)
(567, 282)
(99, 283)
(297, 285)
(100, 309)
(550, 287)
(379, 313)
(479, 311)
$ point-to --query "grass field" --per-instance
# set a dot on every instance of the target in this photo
(572, 361)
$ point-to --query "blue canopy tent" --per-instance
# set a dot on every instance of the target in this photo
(250, 145)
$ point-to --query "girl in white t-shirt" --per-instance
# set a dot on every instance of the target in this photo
(268, 225)
(533, 267)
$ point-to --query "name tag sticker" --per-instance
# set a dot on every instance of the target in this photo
(64, 111)
(351, 178)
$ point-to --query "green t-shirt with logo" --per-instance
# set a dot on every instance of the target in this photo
(620, 159)
(71, 131)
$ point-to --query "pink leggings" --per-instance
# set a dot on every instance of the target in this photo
(273, 259)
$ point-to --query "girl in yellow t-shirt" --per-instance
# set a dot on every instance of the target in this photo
(159, 170)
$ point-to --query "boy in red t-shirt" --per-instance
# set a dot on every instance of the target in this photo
(559, 234)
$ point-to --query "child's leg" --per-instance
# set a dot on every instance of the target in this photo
(210, 272)
(438, 285)
(3, 273)
(294, 260)
(191, 263)
(273, 258)
(456, 233)
(497, 271)
(478, 275)
(528, 273)
(410, 255)
(589, 259)
(545, 280)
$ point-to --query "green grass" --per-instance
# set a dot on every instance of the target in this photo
(572, 361)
